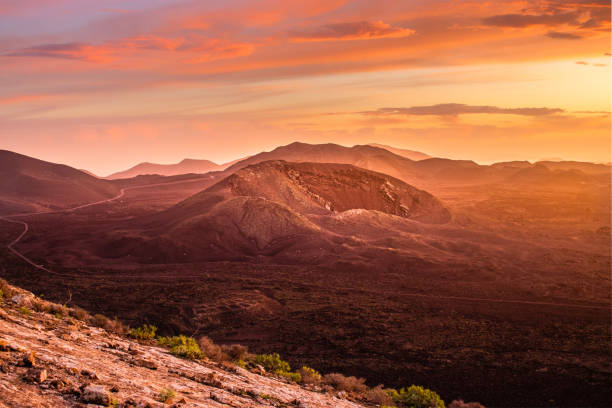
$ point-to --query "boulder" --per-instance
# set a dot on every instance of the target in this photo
(37, 375)
(151, 365)
(22, 300)
(96, 394)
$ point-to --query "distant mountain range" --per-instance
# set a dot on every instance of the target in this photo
(29, 184)
(184, 167)
(409, 154)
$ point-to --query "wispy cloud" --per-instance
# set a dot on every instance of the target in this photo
(454, 109)
(73, 50)
(586, 16)
(198, 48)
(527, 20)
(563, 36)
(361, 30)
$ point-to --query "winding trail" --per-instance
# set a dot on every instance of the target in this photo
(121, 194)
(26, 227)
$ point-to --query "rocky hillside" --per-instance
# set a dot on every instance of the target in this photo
(273, 209)
(55, 361)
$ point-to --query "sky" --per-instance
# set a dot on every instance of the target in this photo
(105, 84)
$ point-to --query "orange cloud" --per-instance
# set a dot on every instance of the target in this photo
(197, 48)
(361, 30)
(75, 51)
(453, 109)
(23, 99)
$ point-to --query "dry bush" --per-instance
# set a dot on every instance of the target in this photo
(211, 350)
(58, 309)
(40, 305)
(343, 383)
(112, 325)
(236, 352)
(116, 326)
(7, 290)
(378, 396)
(461, 404)
(79, 313)
(98, 320)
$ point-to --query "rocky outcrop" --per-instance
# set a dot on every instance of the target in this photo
(46, 361)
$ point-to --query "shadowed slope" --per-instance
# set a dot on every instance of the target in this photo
(266, 210)
(29, 184)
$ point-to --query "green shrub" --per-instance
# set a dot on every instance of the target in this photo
(166, 395)
(181, 346)
(24, 310)
(1, 294)
(145, 332)
(309, 375)
(295, 377)
(273, 363)
(416, 397)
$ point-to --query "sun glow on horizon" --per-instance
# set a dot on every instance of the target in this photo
(162, 81)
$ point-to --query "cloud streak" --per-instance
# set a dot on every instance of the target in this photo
(528, 20)
(197, 48)
(564, 36)
(361, 30)
(454, 109)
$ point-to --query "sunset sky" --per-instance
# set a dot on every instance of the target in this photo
(103, 85)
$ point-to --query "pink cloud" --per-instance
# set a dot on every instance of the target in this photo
(361, 30)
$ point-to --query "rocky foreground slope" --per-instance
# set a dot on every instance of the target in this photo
(54, 361)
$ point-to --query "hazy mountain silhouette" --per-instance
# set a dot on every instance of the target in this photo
(409, 154)
(184, 167)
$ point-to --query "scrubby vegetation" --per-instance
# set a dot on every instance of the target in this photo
(182, 346)
(166, 396)
(5, 289)
(309, 375)
(24, 310)
(274, 364)
(144, 332)
(342, 383)
(187, 347)
(416, 397)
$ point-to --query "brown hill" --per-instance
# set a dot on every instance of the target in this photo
(30, 184)
(366, 157)
(423, 173)
(271, 209)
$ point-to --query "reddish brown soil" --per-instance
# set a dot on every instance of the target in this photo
(507, 303)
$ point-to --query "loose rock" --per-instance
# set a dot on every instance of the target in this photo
(96, 394)
(37, 375)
